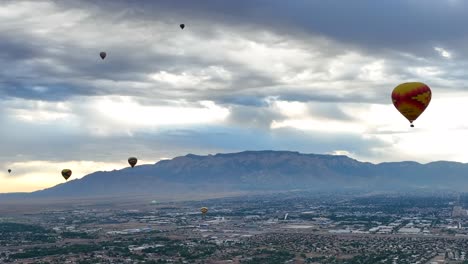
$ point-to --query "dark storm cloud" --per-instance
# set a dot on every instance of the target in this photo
(13, 47)
(252, 116)
(330, 98)
(330, 111)
(67, 61)
(397, 24)
(68, 64)
(244, 101)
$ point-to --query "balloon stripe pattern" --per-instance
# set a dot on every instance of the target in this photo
(411, 99)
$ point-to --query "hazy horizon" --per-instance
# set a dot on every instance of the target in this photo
(123, 165)
(201, 171)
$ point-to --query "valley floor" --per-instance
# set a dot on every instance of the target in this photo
(295, 227)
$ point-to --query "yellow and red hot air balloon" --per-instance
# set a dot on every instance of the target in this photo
(132, 161)
(66, 173)
(411, 99)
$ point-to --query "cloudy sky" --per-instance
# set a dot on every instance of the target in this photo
(308, 76)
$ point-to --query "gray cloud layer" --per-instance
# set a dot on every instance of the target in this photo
(65, 59)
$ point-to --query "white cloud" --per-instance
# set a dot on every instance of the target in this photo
(126, 112)
(290, 109)
(297, 115)
(341, 152)
(320, 126)
(443, 52)
(181, 80)
(38, 111)
(373, 71)
(196, 80)
(439, 133)
(115, 114)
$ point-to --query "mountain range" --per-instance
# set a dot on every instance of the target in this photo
(259, 171)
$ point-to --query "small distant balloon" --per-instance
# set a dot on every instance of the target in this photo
(411, 99)
(204, 210)
(132, 161)
(182, 26)
(66, 173)
(102, 54)
(9, 170)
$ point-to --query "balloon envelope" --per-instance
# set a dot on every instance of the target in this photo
(9, 171)
(102, 54)
(182, 26)
(204, 210)
(411, 99)
(132, 161)
(66, 173)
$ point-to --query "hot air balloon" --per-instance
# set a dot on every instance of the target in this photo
(411, 99)
(132, 161)
(9, 170)
(66, 173)
(182, 26)
(204, 210)
(102, 54)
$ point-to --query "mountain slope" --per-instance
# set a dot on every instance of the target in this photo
(260, 170)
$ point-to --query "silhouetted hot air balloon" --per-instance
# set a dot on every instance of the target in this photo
(411, 99)
(66, 173)
(132, 161)
(182, 26)
(204, 210)
(9, 170)
(102, 54)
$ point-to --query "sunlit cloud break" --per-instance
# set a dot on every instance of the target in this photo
(444, 53)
